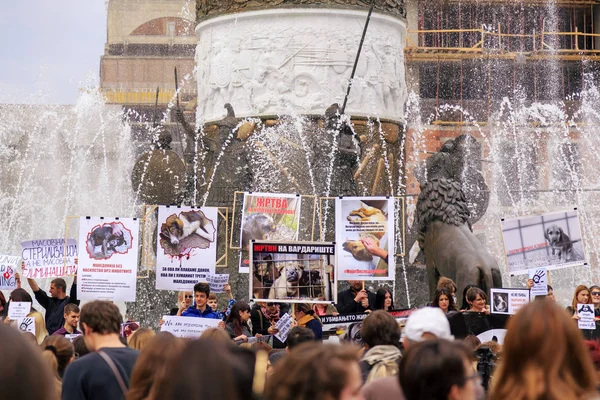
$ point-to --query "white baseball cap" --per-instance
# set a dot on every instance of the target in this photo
(427, 320)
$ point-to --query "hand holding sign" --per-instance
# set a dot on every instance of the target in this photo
(539, 278)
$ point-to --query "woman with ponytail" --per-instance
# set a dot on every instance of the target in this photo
(305, 316)
(237, 322)
(58, 352)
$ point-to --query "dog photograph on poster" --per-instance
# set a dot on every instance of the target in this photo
(185, 230)
(293, 272)
(107, 239)
(551, 240)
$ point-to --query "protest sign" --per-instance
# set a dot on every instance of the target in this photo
(333, 322)
(26, 324)
(284, 325)
(49, 258)
(539, 276)
(364, 234)
(187, 327)
(508, 301)
(217, 282)
(18, 309)
(293, 272)
(108, 258)
(127, 328)
(72, 336)
(268, 216)
(551, 240)
(586, 316)
(8, 269)
(186, 248)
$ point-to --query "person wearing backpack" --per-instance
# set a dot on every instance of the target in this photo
(381, 336)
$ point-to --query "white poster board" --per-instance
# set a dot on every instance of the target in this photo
(187, 327)
(551, 240)
(8, 269)
(586, 316)
(365, 238)
(284, 325)
(49, 258)
(18, 309)
(539, 276)
(26, 324)
(508, 301)
(108, 258)
(186, 248)
(217, 282)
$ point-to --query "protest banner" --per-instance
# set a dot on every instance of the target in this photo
(8, 269)
(186, 248)
(364, 234)
(108, 258)
(293, 272)
(49, 258)
(217, 282)
(18, 309)
(586, 316)
(539, 276)
(26, 324)
(187, 327)
(267, 216)
(331, 322)
(508, 301)
(551, 240)
(284, 325)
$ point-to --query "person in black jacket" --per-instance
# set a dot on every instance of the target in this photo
(263, 317)
(56, 302)
(356, 299)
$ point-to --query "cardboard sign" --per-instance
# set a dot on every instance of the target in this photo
(49, 258)
(552, 240)
(18, 309)
(365, 238)
(586, 316)
(284, 325)
(293, 272)
(26, 324)
(186, 248)
(540, 281)
(217, 282)
(268, 216)
(187, 327)
(108, 258)
(508, 301)
(8, 269)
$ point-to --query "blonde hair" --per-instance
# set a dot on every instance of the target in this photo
(140, 338)
(40, 326)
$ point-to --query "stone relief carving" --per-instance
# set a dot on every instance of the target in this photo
(208, 8)
(301, 62)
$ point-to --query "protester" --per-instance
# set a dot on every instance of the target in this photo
(448, 284)
(324, 309)
(444, 301)
(71, 321)
(384, 300)
(17, 295)
(104, 374)
(40, 327)
(275, 357)
(56, 302)
(213, 302)
(80, 347)
(316, 371)
(356, 299)
(49, 356)
(477, 300)
(62, 350)
(200, 308)
(140, 338)
(23, 373)
(299, 335)
(151, 367)
(464, 305)
(543, 357)
(381, 335)
(595, 296)
(304, 315)
(438, 369)
(472, 342)
(237, 322)
(184, 301)
(550, 295)
(581, 296)
(208, 370)
(263, 317)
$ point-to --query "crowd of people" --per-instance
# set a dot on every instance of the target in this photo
(85, 353)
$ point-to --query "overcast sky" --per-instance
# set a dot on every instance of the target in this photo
(50, 48)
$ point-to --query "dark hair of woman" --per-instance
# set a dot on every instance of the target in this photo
(20, 295)
(445, 292)
(235, 319)
(305, 308)
(465, 304)
(62, 349)
(380, 299)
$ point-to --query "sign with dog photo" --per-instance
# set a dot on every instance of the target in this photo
(293, 272)
(186, 249)
(108, 258)
(508, 301)
(268, 216)
(49, 258)
(551, 240)
(364, 234)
